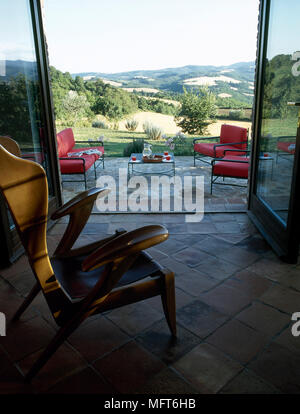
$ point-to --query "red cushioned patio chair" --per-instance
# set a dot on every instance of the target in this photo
(231, 137)
(285, 147)
(230, 166)
(77, 164)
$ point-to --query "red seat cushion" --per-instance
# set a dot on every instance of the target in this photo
(284, 146)
(71, 166)
(232, 169)
(205, 148)
(208, 149)
(233, 133)
(65, 142)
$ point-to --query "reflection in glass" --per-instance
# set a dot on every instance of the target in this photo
(279, 120)
(21, 115)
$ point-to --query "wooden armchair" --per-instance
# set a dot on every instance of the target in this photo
(80, 282)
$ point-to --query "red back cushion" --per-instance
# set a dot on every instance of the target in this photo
(233, 133)
(65, 142)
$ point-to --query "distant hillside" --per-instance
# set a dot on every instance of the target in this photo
(12, 68)
(233, 81)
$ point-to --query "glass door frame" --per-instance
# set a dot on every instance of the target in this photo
(283, 239)
(46, 100)
(9, 241)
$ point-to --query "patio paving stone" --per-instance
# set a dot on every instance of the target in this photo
(280, 367)
(238, 340)
(86, 381)
(95, 339)
(200, 318)
(117, 367)
(158, 341)
(207, 369)
(264, 318)
(166, 382)
(218, 268)
(249, 383)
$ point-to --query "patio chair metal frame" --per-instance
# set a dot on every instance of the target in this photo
(201, 157)
(213, 162)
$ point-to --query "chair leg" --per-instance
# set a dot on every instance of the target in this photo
(95, 171)
(168, 301)
(85, 182)
(34, 291)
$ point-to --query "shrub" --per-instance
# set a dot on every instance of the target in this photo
(197, 111)
(237, 114)
(99, 124)
(179, 144)
(136, 146)
(131, 124)
(153, 132)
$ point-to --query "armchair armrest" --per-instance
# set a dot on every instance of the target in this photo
(227, 143)
(236, 150)
(204, 139)
(86, 197)
(292, 138)
(74, 158)
(96, 141)
(117, 256)
(214, 160)
(126, 245)
(224, 160)
(79, 210)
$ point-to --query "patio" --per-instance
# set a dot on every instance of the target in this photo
(223, 198)
(234, 305)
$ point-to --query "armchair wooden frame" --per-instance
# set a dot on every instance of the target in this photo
(112, 272)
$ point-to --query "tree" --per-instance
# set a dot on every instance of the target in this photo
(115, 103)
(75, 107)
(197, 111)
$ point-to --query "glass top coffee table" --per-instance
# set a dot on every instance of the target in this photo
(164, 167)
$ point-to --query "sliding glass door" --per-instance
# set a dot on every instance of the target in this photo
(274, 197)
(25, 104)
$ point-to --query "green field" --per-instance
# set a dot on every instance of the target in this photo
(116, 141)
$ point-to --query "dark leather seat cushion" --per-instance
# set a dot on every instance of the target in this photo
(78, 283)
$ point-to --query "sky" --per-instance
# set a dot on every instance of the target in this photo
(112, 36)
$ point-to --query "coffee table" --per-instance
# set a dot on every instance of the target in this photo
(137, 167)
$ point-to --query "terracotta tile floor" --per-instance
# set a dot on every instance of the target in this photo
(234, 305)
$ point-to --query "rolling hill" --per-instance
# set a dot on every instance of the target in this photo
(233, 81)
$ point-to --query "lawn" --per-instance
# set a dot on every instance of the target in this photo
(116, 141)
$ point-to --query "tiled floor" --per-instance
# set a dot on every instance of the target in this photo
(234, 305)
